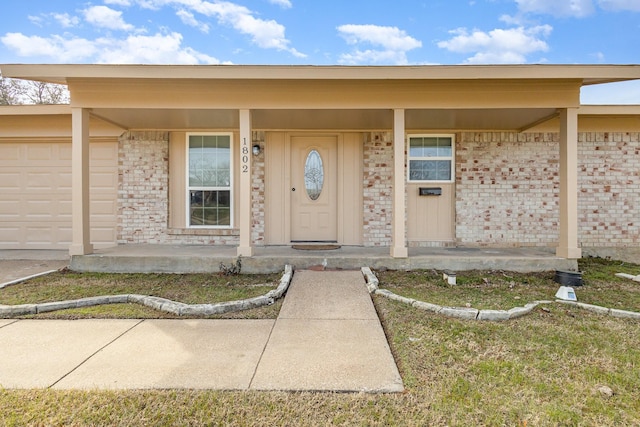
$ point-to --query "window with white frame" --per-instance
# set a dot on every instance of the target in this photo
(431, 158)
(209, 180)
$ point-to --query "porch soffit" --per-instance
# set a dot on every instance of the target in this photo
(323, 94)
(334, 119)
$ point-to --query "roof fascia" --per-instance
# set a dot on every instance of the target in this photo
(35, 110)
(609, 110)
(588, 74)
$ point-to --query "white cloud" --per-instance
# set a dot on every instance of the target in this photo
(187, 18)
(59, 48)
(36, 20)
(391, 38)
(124, 3)
(105, 17)
(156, 49)
(135, 49)
(620, 5)
(267, 34)
(373, 57)
(286, 4)
(66, 20)
(393, 43)
(572, 8)
(499, 46)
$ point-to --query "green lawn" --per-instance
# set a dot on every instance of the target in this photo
(186, 288)
(543, 369)
(500, 290)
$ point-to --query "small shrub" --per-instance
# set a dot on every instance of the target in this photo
(232, 270)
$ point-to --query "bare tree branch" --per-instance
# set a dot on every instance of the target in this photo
(15, 92)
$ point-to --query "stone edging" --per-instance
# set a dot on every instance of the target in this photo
(492, 315)
(156, 303)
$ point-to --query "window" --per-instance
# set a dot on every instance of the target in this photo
(431, 158)
(313, 174)
(209, 180)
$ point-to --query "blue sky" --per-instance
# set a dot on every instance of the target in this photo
(328, 32)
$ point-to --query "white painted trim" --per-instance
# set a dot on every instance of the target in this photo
(231, 182)
(452, 158)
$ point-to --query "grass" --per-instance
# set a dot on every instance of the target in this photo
(186, 288)
(543, 369)
(500, 290)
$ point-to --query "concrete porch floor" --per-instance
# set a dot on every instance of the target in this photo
(272, 259)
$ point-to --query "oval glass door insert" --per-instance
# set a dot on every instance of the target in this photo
(313, 175)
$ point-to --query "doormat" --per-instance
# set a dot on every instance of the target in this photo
(315, 247)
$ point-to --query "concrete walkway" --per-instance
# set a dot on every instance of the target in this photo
(327, 338)
(18, 264)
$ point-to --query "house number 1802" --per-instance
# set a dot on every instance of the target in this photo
(245, 156)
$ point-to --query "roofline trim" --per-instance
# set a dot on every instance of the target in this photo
(60, 73)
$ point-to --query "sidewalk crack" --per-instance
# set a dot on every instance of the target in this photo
(95, 352)
(255, 371)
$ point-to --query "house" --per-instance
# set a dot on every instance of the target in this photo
(259, 156)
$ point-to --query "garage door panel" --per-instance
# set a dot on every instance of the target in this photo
(103, 154)
(39, 181)
(65, 208)
(38, 210)
(9, 209)
(41, 234)
(103, 236)
(39, 152)
(10, 181)
(35, 194)
(64, 152)
(104, 181)
(10, 236)
(64, 182)
(9, 154)
(102, 208)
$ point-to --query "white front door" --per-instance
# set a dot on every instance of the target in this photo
(314, 188)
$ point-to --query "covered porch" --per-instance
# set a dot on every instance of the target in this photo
(356, 105)
(272, 259)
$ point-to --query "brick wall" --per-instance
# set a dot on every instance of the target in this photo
(143, 187)
(609, 185)
(377, 185)
(507, 189)
(143, 159)
(257, 191)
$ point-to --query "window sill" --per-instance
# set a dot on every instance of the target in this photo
(204, 231)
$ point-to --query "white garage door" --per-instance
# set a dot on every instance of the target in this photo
(35, 194)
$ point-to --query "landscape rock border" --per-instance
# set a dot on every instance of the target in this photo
(157, 303)
(489, 315)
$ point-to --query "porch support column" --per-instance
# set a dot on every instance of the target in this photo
(245, 248)
(568, 244)
(398, 244)
(80, 201)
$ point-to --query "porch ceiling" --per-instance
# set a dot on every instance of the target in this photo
(326, 119)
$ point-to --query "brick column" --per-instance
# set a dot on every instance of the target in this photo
(80, 202)
(568, 244)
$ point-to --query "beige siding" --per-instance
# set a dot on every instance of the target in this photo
(276, 190)
(350, 189)
(35, 194)
(177, 184)
(430, 219)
